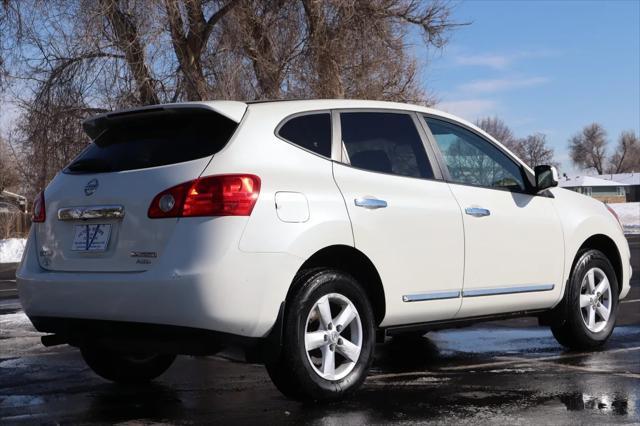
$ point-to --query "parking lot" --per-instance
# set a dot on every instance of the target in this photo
(500, 373)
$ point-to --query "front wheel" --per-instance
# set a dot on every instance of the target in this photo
(328, 338)
(590, 305)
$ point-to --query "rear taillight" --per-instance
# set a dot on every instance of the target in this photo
(613, 212)
(224, 195)
(39, 211)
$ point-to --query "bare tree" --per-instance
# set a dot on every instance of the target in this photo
(348, 38)
(126, 37)
(9, 177)
(50, 135)
(11, 30)
(324, 43)
(270, 34)
(189, 35)
(497, 128)
(64, 60)
(533, 150)
(588, 148)
(626, 157)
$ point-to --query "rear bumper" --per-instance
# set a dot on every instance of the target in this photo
(234, 292)
(154, 338)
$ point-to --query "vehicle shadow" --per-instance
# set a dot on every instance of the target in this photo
(113, 403)
(406, 353)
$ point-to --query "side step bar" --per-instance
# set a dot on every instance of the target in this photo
(459, 322)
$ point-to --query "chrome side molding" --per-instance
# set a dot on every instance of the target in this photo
(439, 295)
(91, 212)
(507, 290)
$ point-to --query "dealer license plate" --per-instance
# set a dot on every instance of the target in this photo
(94, 237)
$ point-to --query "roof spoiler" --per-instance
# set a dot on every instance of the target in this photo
(96, 125)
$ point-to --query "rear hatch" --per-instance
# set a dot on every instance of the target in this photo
(96, 208)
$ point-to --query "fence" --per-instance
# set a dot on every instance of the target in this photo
(14, 224)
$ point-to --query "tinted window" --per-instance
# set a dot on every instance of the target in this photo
(384, 142)
(142, 140)
(310, 131)
(473, 160)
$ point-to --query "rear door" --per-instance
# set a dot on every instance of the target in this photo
(407, 222)
(514, 246)
(97, 207)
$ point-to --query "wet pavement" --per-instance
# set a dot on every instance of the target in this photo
(509, 372)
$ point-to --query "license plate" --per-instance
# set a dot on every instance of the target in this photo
(94, 237)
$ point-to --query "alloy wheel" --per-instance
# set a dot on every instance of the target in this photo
(595, 300)
(333, 336)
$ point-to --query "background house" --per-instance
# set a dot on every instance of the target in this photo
(10, 202)
(605, 190)
(632, 182)
(14, 219)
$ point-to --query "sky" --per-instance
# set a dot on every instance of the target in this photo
(542, 66)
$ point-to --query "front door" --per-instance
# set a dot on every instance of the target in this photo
(514, 247)
(407, 223)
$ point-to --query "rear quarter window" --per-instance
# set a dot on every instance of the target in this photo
(309, 131)
(150, 139)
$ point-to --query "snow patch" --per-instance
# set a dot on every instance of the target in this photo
(629, 214)
(16, 320)
(11, 250)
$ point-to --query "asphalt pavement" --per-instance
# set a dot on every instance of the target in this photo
(508, 372)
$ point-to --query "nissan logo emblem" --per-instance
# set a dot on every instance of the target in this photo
(91, 187)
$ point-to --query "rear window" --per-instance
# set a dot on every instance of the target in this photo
(385, 142)
(153, 138)
(309, 131)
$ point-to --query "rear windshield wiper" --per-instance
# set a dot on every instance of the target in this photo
(90, 165)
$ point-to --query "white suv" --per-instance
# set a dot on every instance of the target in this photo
(303, 232)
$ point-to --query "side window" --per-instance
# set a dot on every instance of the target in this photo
(473, 160)
(310, 131)
(384, 142)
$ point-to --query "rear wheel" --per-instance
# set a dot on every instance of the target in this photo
(328, 338)
(590, 305)
(125, 368)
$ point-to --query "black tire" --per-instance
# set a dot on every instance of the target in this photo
(292, 372)
(567, 325)
(125, 368)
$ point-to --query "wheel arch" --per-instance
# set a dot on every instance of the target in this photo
(600, 242)
(354, 262)
(608, 247)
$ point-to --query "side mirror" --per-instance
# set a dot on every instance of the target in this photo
(546, 177)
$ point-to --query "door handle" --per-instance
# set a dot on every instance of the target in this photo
(370, 203)
(477, 211)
